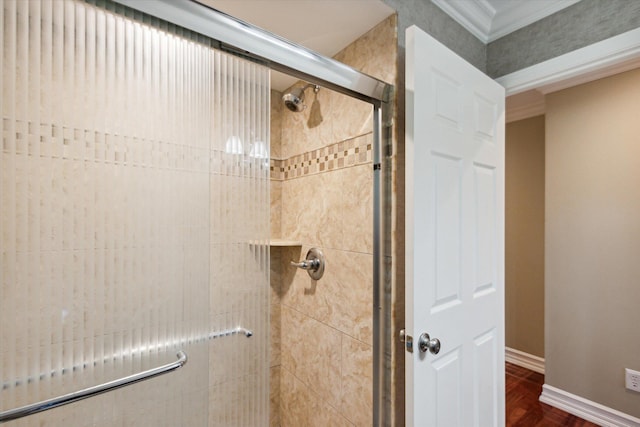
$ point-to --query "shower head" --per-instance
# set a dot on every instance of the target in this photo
(294, 98)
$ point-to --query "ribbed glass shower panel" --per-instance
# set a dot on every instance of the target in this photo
(239, 242)
(128, 229)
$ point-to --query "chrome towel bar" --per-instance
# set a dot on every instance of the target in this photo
(235, 331)
(160, 346)
(34, 408)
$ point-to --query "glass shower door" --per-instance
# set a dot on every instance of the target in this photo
(118, 218)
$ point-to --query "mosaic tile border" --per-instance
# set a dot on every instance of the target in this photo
(29, 139)
(351, 152)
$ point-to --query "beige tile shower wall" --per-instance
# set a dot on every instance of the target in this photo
(275, 122)
(325, 178)
(276, 257)
(343, 117)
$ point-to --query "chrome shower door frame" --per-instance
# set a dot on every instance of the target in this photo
(241, 38)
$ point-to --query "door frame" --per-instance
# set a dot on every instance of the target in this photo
(601, 59)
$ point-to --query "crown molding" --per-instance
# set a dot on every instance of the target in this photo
(520, 14)
(474, 15)
(487, 23)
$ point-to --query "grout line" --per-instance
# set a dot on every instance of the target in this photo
(327, 325)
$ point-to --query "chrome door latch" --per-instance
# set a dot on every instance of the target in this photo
(426, 343)
(407, 340)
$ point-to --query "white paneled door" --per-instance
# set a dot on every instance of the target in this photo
(454, 239)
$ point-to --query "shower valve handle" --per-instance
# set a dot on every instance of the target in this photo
(307, 264)
(314, 263)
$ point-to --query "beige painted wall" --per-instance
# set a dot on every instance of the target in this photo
(524, 263)
(593, 239)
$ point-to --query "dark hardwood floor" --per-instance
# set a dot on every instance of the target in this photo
(523, 407)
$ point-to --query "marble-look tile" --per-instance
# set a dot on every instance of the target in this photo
(343, 117)
(350, 117)
(357, 382)
(274, 397)
(275, 137)
(349, 281)
(354, 206)
(282, 273)
(303, 209)
(305, 296)
(331, 209)
(275, 277)
(300, 405)
(276, 208)
(311, 351)
(297, 136)
(340, 215)
(341, 298)
(375, 52)
(329, 222)
(275, 334)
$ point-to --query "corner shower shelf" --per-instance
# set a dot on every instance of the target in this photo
(283, 243)
(277, 243)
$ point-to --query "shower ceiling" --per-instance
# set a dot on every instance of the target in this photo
(324, 26)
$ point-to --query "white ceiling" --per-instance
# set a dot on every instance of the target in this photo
(324, 26)
(328, 26)
(489, 20)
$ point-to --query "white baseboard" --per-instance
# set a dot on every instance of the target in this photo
(586, 409)
(525, 360)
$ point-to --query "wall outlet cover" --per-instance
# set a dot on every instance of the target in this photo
(632, 379)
